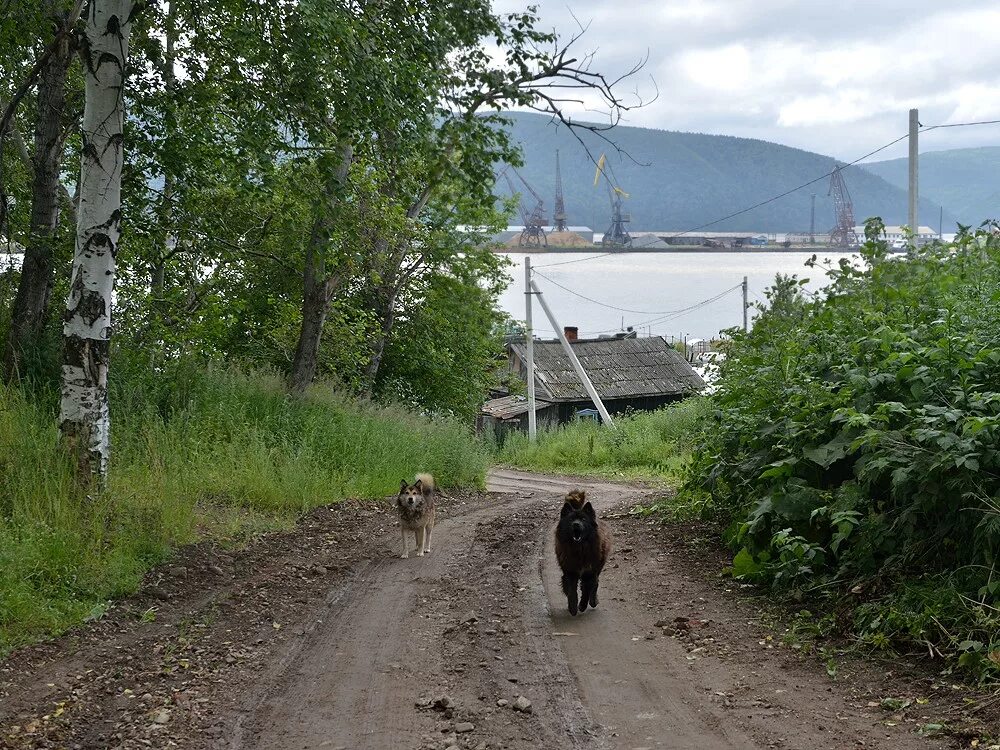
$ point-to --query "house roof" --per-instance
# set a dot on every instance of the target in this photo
(618, 368)
(508, 407)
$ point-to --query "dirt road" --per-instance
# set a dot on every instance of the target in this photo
(324, 638)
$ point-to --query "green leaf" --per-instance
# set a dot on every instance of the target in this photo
(825, 455)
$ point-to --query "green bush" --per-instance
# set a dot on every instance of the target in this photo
(854, 441)
(643, 445)
(196, 453)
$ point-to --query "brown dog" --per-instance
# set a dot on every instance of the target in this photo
(583, 546)
(576, 498)
(415, 505)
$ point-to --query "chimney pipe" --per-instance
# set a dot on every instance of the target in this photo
(570, 333)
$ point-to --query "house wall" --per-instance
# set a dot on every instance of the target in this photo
(616, 407)
(545, 417)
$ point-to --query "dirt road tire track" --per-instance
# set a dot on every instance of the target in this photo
(323, 638)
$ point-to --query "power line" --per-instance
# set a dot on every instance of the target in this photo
(960, 125)
(786, 193)
(755, 206)
(604, 304)
(675, 313)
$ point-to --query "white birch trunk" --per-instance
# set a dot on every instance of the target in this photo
(84, 419)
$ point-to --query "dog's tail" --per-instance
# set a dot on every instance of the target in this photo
(426, 480)
(576, 498)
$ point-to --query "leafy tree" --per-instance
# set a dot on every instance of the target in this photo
(84, 420)
(46, 32)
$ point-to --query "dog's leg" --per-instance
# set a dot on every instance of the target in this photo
(427, 537)
(405, 543)
(419, 534)
(588, 585)
(593, 591)
(570, 582)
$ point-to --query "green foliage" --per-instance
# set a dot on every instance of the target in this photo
(853, 442)
(197, 453)
(290, 170)
(653, 445)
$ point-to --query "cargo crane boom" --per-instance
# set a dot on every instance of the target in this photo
(843, 234)
(559, 215)
(533, 233)
(617, 233)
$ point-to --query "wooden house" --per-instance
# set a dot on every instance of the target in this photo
(629, 373)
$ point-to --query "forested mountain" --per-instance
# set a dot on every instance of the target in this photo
(679, 181)
(965, 180)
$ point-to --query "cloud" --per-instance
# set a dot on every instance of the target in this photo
(837, 78)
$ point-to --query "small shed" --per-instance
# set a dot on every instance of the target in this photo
(629, 373)
(510, 413)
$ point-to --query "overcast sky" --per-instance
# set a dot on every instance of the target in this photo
(837, 76)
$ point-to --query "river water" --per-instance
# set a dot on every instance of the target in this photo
(655, 288)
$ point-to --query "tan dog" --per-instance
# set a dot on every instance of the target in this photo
(576, 498)
(415, 505)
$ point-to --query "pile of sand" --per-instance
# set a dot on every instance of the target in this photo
(567, 239)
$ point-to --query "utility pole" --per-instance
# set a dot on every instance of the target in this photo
(568, 348)
(812, 222)
(941, 224)
(914, 172)
(529, 345)
(746, 304)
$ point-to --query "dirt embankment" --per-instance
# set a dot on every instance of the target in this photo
(323, 638)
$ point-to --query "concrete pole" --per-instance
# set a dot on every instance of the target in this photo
(580, 372)
(746, 304)
(812, 221)
(529, 345)
(914, 172)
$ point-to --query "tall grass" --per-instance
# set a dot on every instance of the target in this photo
(196, 454)
(647, 445)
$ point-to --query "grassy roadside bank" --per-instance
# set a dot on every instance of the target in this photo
(198, 454)
(652, 446)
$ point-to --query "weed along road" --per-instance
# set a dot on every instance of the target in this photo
(321, 637)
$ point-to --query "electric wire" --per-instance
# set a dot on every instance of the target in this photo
(781, 195)
(603, 304)
(674, 314)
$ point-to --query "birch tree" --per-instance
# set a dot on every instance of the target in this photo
(84, 419)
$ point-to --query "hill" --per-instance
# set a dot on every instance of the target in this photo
(965, 180)
(678, 181)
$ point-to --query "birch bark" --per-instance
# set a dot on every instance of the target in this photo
(84, 419)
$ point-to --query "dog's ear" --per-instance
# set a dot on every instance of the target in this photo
(418, 485)
(566, 510)
(402, 485)
(589, 510)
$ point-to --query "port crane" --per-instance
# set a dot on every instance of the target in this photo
(559, 214)
(617, 233)
(843, 234)
(533, 233)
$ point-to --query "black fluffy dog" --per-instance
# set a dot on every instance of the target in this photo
(582, 548)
